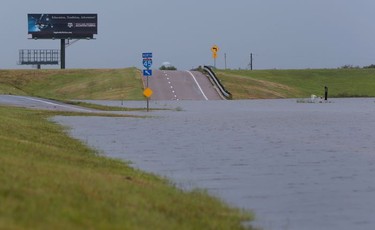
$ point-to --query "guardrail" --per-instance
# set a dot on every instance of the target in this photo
(225, 93)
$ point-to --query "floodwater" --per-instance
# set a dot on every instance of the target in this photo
(296, 165)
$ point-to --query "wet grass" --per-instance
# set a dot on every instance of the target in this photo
(244, 84)
(102, 107)
(51, 181)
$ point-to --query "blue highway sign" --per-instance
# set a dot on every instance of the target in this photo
(147, 72)
(147, 63)
(147, 55)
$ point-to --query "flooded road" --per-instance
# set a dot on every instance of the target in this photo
(296, 165)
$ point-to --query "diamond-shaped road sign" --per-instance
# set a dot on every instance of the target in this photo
(215, 49)
(147, 92)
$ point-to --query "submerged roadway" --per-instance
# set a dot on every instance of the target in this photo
(180, 85)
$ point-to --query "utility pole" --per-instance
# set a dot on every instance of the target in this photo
(225, 58)
(251, 61)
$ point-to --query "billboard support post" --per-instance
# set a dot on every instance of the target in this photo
(62, 53)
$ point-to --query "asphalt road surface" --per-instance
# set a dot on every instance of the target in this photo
(180, 85)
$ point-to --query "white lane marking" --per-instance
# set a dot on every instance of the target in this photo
(204, 95)
(54, 104)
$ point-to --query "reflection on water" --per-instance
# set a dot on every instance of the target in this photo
(297, 165)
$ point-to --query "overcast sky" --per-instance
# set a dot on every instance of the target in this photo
(281, 34)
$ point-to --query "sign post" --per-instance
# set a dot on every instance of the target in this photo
(147, 63)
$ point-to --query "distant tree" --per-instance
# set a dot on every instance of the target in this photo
(163, 67)
(199, 68)
(372, 66)
(349, 67)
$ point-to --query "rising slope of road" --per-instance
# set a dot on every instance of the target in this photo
(181, 85)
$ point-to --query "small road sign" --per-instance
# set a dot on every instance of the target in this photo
(215, 49)
(146, 55)
(147, 63)
(147, 92)
(147, 72)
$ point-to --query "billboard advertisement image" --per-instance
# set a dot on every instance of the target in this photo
(62, 26)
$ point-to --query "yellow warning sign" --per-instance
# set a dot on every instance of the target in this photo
(215, 49)
(147, 92)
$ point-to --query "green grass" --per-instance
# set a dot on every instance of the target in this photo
(298, 83)
(103, 84)
(126, 84)
(51, 181)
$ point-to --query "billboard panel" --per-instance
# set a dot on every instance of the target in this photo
(62, 26)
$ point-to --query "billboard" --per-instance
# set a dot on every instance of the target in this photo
(62, 26)
(39, 57)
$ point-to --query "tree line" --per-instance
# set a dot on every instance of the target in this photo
(372, 66)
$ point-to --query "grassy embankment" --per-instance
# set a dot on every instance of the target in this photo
(51, 181)
(298, 83)
(103, 84)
